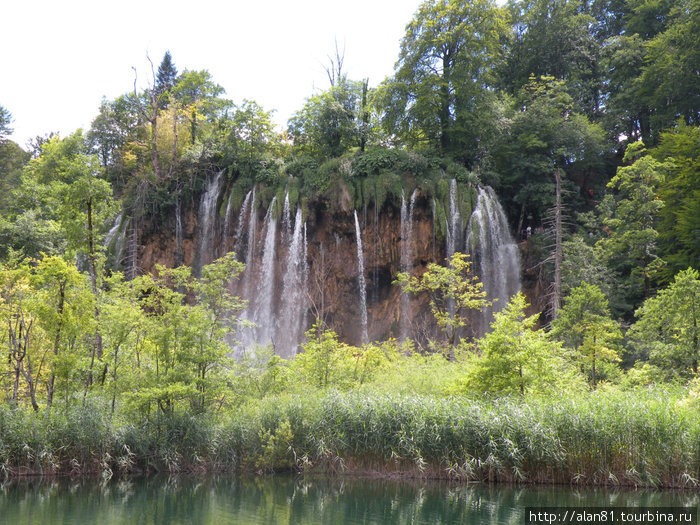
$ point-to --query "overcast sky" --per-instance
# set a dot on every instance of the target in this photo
(59, 58)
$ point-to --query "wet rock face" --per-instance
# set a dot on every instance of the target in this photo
(332, 289)
(319, 271)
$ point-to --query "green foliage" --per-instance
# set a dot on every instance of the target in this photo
(545, 135)
(630, 246)
(516, 358)
(440, 94)
(563, 26)
(330, 124)
(453, 290)
(584, 325)
(667, 330)
(679, 227)
(326, 362)
(5, 121)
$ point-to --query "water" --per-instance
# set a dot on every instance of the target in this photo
(454, 226)
(361, 281)
(296, 500)
(238, 237)
(494, 252)
(293, 297)
(116, 238)
(207, 221)
(179, 256)
(406, 261)
(264, 317)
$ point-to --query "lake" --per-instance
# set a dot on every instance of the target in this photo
(285, 499)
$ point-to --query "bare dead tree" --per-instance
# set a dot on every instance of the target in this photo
(321, 272)
(334, 70)
(554, 228)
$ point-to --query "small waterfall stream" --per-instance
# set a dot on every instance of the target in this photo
(406, 260)
(293, 300)
(454, 226)
(263, 316)
(179, 255)
(361, 281)
(207, 222)
(238, 237)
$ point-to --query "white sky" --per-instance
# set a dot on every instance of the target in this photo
(59, 58)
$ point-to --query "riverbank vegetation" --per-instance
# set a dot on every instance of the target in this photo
(109, 369)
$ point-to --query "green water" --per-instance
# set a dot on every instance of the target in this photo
(293, 500)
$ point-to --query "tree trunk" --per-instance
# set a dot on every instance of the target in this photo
(56, 343)
(444, 112)
(93, 277)
(555, 300)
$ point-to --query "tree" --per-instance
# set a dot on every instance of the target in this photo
(5, 121)
(630, 220)
(552, 38)
(19, 334)
(200, 98)
(670, 78)
(167, 74)
(585, 326)
(84, 204)
(668, 327)
(251, 137)
(679, 227)
(441, 94)
(515, 358)
(546, 135)
(329, 123)
(453, 291)
(188, 353)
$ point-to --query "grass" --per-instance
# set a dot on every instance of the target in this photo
(635, 438)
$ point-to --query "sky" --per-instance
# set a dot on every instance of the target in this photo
(59, 58)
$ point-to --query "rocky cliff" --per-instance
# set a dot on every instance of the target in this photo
(302, 258)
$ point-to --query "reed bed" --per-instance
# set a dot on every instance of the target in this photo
(637, 438)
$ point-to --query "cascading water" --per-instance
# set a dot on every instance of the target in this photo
(454, 227)
(305, 281)
(406, 260)
(179, 256)
(207, 221)
(361, 281)
(238, 237)
(263, 316)
(227, 224)
(293, 301)
(115, 239)
(286, 220)
(494, 252)
(250, 249)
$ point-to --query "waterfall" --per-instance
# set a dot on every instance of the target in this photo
(263, 316)
(179, 255)
(494, 252)
(305, 283)
(293, 300)
(250, 249)
(238, 236)
(115, 238)
(207, 221)
(406, 259)
(227, 225)
(109, 237)
(286, 220)
(361, 281)
(454, 227)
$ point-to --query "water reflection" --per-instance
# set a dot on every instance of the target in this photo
(288, 500)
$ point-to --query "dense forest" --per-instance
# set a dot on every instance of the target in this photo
(582, 115)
